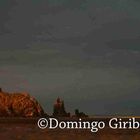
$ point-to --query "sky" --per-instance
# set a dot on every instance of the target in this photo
(86, 52)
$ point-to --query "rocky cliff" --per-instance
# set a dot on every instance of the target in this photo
(19, 105)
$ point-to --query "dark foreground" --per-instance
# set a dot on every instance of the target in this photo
(27, 129)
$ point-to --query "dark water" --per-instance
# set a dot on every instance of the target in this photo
(28, 130)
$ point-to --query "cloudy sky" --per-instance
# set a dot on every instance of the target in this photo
(84, 51)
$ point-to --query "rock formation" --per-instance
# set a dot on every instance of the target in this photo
(79, 114)
(59, 109)
(19, 105)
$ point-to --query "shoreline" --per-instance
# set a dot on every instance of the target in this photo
(35, 119)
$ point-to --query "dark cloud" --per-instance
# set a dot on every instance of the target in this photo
(84, 51)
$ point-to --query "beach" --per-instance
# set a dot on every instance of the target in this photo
(27, 129)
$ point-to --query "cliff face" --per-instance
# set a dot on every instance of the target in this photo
(19, 104)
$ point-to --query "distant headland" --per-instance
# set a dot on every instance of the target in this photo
(23, 105)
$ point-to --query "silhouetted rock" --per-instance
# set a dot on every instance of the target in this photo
(79, 114)
(59, 109)
(19, 104)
